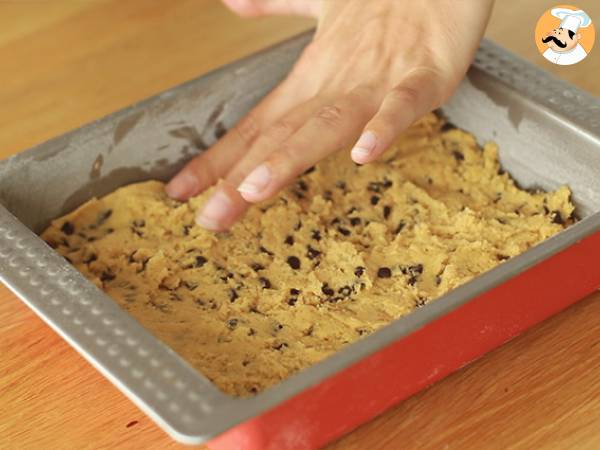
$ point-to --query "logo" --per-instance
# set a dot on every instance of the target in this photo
(565, 35)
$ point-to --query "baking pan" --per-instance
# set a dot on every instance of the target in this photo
(548, 132)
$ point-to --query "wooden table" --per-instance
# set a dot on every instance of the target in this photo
(66, 62)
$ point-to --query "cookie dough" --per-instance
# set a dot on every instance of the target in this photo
(343, 251)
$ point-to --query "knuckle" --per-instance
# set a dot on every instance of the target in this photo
(406, 94)
(247, 128)
(330, 114)
(281, 129)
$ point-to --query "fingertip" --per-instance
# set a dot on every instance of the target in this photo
(365, 149)
(254, 186)
(216, 213)
(182, 186)
(222, 209)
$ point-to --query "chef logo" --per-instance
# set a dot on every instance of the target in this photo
(564, 35)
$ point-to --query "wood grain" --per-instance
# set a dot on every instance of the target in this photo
(66, 62)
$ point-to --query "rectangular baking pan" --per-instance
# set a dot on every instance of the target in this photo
(548, 132)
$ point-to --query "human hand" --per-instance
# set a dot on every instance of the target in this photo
(373, 69)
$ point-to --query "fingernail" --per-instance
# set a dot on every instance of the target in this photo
(257, 180)
(182, 186)
(364, 146)
(215, 211)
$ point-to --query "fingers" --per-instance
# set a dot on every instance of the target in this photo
(205, 169)
(330, 128)
(255, 8)
(273, 137)
(222, 209)
(226, 205)
(416, 95)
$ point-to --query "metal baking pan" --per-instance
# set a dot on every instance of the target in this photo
(548, 133)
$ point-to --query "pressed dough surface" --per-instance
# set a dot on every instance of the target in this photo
(343, 251)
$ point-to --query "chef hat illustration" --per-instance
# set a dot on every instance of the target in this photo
(570, 19)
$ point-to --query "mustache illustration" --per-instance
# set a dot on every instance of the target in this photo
(556, 41)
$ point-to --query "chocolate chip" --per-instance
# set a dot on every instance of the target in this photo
(292, 301)
(327, 195)
(103, 217)
(557, 218)
(200, 261)
(344, 231)
(137, 232)
(501, 171)
(302, 185)
(438, 280)
(420, 302)
(335, 220)
(280, 346)
(359, 271)
(251, 332)
(500, 257)
(68, 228)
(374, 186)
(107, 276)
(265, 283)
(294, 291)
(387, 183)
(139, 223)
(312, 253)
(110, 230)
(90, 259)
(186, 230)
(298, 225)
(289, 240)
(417, 268)
(299, 195)
(325, 289)
(256, 267)
(352, 210)
(354, 221)
(309, 170)
(264, 250)
(458, 155)
(233, 295)
(316, 235)
(340, 184)
(374, 200)
(386, 211)
(294, 262)
(384, 272)
(345, 291)
(232, 323)
(400, 227)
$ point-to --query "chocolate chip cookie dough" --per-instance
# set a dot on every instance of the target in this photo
(340, 253)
